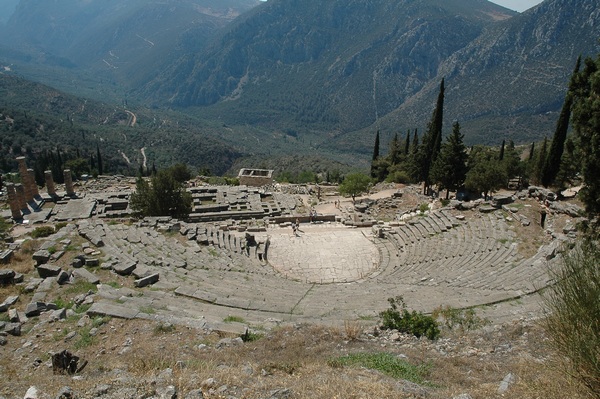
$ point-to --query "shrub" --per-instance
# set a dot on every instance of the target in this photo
(397, 317)
(251, 336)
(42, 231)
(462, 319)
(573, 312)
(399, 176)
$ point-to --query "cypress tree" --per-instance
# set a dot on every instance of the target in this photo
(375, 154)
(415, 142)
(541, 160)
(407, 143)
(552, 163)
(432, 139)
(394, 155)
(586, 123)
(501, 156)
(99, 160)
(531, 152)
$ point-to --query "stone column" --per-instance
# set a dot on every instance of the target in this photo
(33, 184)
(50, 183)
(69, 183)
(25, 179)
(21, 200)
(15, 209)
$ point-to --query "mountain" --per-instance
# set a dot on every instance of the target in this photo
(336, 64)
(122, 41)
(7, 7)
(338, 71)
(511, 81)
(35, 118)
(307, 78)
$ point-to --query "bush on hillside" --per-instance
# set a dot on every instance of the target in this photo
(572, 305)
(397, 317)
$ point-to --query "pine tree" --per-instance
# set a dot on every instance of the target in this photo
(552, 163)
(450, 167)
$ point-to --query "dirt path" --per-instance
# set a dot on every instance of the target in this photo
(133, 119)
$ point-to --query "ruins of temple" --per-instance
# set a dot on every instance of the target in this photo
(255, 177)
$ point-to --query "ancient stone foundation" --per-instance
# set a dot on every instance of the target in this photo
(255, 177)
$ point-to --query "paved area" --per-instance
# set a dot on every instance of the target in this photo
(323, 253)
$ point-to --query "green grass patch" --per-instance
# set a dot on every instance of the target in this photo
(100, 320)
(163, 328)
(83, 308)
(42, 231)
(234, 319)
(63, 304)
(113, 284)
(80, 287)
(147, 309)
(85, 338)
(386, 363)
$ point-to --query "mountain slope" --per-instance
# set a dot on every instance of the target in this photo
(337, 64)
(126, 41)
(35, 118)
(511, 81)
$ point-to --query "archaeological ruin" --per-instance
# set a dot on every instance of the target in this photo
(238, 250)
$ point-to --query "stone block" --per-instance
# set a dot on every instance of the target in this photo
(13, 316)
(59, 314)
(83, 274)
(77, 263)
(19, 278)
(124, 268)
(7, 276)
(92, 262)
(42, 256)
(35, 308)
(47, 270)
(5, 256)
(13, 329)
(148, 280)
(63, 277)
(8, 302)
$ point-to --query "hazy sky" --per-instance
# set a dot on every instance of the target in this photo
(517, 5)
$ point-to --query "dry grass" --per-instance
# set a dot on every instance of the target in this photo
(297, 358)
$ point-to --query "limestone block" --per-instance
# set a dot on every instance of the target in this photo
(42, 256)
(47, 270)
(148, 280)
(35, 308)
(63, 277)
(124, 268)
(6, 276)
(83, 274)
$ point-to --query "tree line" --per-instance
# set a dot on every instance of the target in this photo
(481, 170)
